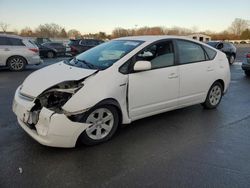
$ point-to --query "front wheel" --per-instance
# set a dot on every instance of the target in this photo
(214, 96)
(104, 122)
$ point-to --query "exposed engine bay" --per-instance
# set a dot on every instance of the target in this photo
(54, 98)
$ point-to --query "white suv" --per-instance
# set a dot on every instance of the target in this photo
(118, 82)
(16, 52)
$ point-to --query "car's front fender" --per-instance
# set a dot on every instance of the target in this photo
(106, 84)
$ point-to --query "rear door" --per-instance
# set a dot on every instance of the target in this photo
(196, 72)
(5, 50)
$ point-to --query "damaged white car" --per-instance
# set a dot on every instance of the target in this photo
(86, 98)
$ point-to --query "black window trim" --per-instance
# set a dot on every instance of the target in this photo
(207, 53)
(130, 66)
(176, 56)
(9, 42)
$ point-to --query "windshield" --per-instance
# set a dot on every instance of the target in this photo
(104, 55)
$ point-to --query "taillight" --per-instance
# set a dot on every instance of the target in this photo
(34, 50)
(248, 55)
(73, 49)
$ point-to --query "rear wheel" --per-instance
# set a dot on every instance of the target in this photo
(50, 54)
(104, 122)
(247, 72)
(214, 96)
(16, 63)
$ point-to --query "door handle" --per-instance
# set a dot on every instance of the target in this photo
(210, 69)
(173, 75)
(6, 49)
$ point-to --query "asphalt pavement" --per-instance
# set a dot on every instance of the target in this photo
(190, 147)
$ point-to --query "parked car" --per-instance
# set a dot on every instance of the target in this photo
(17, 52)
(118, 82)
(41, 40)
(51, 49)
(81, 45)
(243, 42)
(246, 64)
(228, 48)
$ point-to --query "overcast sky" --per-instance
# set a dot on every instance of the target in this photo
(104, 15)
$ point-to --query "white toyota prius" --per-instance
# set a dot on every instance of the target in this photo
(86, 98)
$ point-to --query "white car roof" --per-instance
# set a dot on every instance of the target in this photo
(151, 38)
(11, 36)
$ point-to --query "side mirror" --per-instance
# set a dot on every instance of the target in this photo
(142, 66)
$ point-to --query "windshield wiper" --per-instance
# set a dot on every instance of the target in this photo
(89, 65)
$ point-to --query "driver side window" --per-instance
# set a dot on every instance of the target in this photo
(160, 55)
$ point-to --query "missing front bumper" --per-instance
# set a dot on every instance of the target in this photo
(52, 129)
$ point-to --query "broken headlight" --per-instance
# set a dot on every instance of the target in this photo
(54, 98)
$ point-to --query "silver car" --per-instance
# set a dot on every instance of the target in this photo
(17, 52)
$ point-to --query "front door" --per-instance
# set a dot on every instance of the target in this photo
(156, 90)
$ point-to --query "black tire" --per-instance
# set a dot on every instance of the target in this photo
(16, 63)
(50, 54)
(86, 139)
(247, 72)
(231, 59)
(209, 104)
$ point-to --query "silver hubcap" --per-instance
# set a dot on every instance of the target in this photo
(102, 121)
(16, 63)
(231, 59)
(50, 54)
(215, 95)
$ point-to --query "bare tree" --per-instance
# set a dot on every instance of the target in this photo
(49, 30)
(63, 33)
(4, 26)
(73, 33)
(239, 25)
(120, 32)
(26, 32)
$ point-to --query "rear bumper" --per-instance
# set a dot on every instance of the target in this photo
(34, 60)
(52, 129)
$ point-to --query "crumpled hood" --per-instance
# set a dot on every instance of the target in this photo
(49, 76)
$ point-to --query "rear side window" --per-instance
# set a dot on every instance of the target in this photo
(15, 42)
(29, 43)
(210, 52)
(73, 42)
(88, 42)
(58, 45)
(190, 52)
(4, 41)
